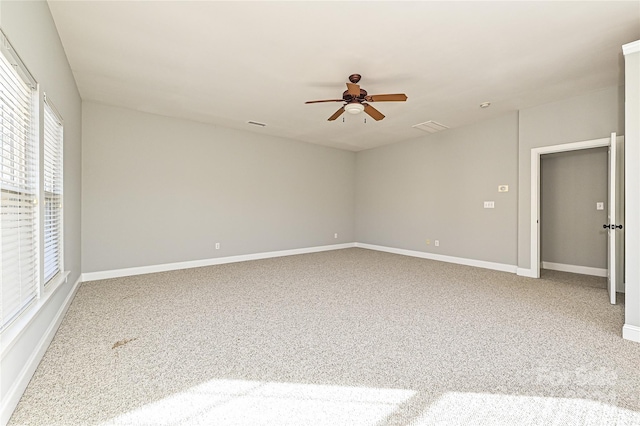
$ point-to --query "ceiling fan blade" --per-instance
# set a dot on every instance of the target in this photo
(374, 113)
(336, 114)
(325, 100)
(397, 97)
(353, 89)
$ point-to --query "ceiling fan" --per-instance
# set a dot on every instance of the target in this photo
(356, 100)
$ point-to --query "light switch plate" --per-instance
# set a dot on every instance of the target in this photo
(600, 205)
(489, 204)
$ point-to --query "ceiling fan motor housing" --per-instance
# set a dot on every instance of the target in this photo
(348, 97)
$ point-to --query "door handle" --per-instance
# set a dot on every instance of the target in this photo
(605, 226)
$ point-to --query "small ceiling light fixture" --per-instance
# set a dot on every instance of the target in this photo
(354, 108)
(485, 105)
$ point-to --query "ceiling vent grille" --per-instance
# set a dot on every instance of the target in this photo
(430, 126)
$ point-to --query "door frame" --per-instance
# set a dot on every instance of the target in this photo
(535, 190)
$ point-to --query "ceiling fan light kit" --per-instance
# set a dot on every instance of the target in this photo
(357, 100)
(354, 108)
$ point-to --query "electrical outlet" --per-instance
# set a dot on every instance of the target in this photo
(428, 242)
(217, 246)
(335, 235)
(437, 243)
(503, 188)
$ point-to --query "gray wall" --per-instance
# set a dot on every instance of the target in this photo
(434, 188)
(159, 190)
(571, 183)
(591, 116)
(31, 30)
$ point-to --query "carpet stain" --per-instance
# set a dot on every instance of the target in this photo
(122, 342)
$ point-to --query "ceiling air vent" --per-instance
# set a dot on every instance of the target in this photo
(430, 126)
(255, 123)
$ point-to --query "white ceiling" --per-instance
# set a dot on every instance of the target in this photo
(226, 63)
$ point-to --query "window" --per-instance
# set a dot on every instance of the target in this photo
(19, 260)
(52, 192)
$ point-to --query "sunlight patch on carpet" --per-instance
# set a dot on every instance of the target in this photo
(241, 402)
(458, 408)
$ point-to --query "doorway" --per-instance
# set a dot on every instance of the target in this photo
(573, 202)
(614, 204)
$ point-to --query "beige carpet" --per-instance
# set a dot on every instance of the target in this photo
(348, 337)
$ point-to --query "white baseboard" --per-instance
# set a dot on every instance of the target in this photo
(140, 270)
(442, 258)
(12, 397)
(631, 332)
(584, 270)
(117, 273)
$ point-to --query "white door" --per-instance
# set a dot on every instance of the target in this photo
(614, 276)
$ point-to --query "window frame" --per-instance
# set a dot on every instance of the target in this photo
(16, 70)
(49, 107)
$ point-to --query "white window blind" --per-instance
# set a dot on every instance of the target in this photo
(52, 192)
(19, 262)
